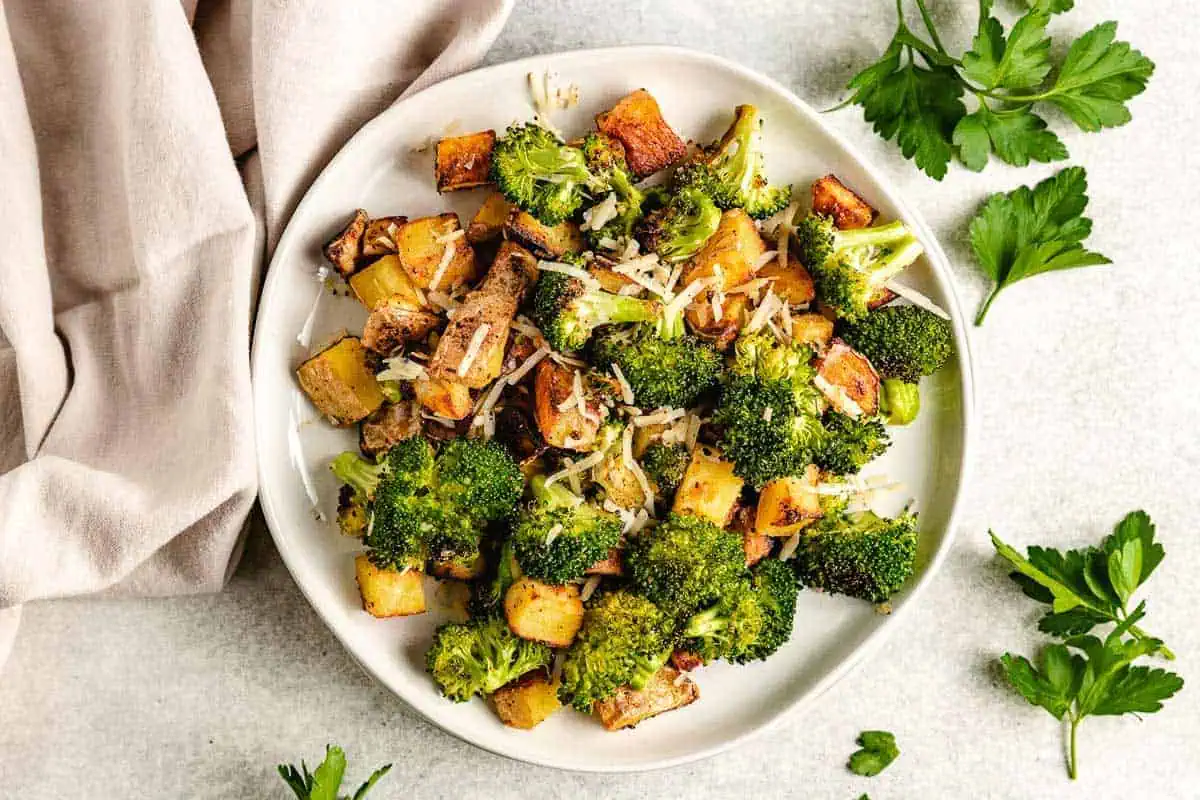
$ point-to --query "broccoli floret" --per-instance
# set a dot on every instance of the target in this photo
(899, 402)
(768, 412)
(664, 365)
(775, 587)
(664, 465)
(567, 310)
(859, 554)
(404, 523)
(480, 477)
(356, 472)
(539, 173)
(558, 537)
(685, 563)
(487, 594)
(731, 170)
(681, 227)
(606, 160)
(904, 342)
(728, 628)
(850, 444)
(625, 639)
(850, 267)
(480, 656)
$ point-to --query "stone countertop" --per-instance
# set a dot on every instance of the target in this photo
(1087, 392)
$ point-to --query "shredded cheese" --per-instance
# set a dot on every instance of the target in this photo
(717, 311)
(401, 369)
(574, 468)
(557, 668)
(916, 298)
(768, 412)
(681, 300)
(443, 265)
(764, 259)
(600, 214)
(473, 349)
(789, 547)
(838, 397)
(589, 587)
(569, 269)
(781, 246)
(658, 417)
(553, 533)
(763, 313)
(693, 431)
(633, 466)
(520, 372)
(626, 389)
(445, 422)
(452, 236)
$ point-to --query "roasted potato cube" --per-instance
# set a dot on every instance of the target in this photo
(553, 383)
(392, 324)
(451, 568)
(848, 380)
(609, 565)
(709, 488)
(463, 162)
(831, 198)
(383, 281)
(344, 250)
(620, 483)
(389, 425)
(609, 281)
(792, 283)
(339, 383)
(421, 245)
(735, 248)
(544, 240)
(720, 331)
(646, 435)
(637, 123)
(812, 329)
(471, 349)
(488, 222)
(443, 398)
(882, 297)
(528, 701)
(542, 612)
(380, 238)
(787, 505)
(668, 689)
(390, 592)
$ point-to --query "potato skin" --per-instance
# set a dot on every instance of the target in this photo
(380, 238)
(449, 399)
(831, 198)
(344, 250)
(853, 377)
(463, 162)
(389, 592)
(787, 505)
(552, 384)
(528, 701)
(667, 690)
(709, 488)
(420, 252)
(542, 612)
(547, 241)
(339, 383)
(488, 222)
(637, 123)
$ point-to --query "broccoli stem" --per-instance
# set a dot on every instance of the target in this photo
(609, 308)
(887, 234)
(554, 496)
(705, 624)
(647, 667)
(357, 472)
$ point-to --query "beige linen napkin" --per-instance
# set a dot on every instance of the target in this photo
(150, 154)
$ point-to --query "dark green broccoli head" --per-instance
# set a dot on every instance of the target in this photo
(403, 523)
(851, 267)
(480, 478)
(624, 640)
(411, 462)
(768, 414)
(727, 629)
(774, 586)
(859, 554)
(663, 372)
(685, 563)
(850, 444)
(537, 172)
(681, 227)
(480, 656)
(567, 310)
(558, 536)
(664, 465)
(904, 342)
(731, 170)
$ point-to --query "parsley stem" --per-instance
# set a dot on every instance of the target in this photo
(1073, 763)
(983, 310)
(928, 20)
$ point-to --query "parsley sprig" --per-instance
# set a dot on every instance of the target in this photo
(878, 750)
(325, 781)
(1085, 675)
(914, 93)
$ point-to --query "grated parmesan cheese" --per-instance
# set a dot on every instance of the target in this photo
(520, 372)
(401, 369)
(916, 298)
(789, 547)
(658, 417)
(553, 533)
(600, 214)
(768, 412)
(763, 313)
(681, 300)
(626, 389)
(447, 256)
(569, 269)
(573, 468)
(717, 311)
(473, 349)
(452, 236)
(764, 259)
(589, 587)
(633, 466)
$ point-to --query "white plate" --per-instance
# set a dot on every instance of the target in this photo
(380, 170)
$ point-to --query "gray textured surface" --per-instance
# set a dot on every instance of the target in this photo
(1088, 392)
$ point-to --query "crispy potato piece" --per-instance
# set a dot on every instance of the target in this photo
(488, 222)
(339, 383)
(812, 329)
(646, 435)
(637, 123)
(493, 304)
(383, 281)
(421, 253)
(609, 281)
(787, 505)
(456, 570)
(449, 399)
(380, 238)
(543, 613)
(547, 242)
(391, 325)
(553, 383)
(882, 297)
(831, 198)
(463, 162)
(609, 565)
(389, 592)
(755, 546)
(389, 425)
(709, 488)
(344, 250)
(686, 660)
(620, 483)
(848, 380)
(735, 313)
(528, 701)
(735, 247)
(793, 284)
(667, 690)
